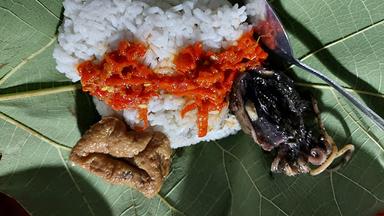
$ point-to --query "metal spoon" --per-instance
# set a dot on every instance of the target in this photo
(274, 37)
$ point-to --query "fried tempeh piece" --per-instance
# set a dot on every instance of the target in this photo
(138, 159)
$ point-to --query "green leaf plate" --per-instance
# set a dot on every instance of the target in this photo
(42, 115)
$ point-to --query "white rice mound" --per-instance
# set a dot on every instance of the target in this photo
(92, 27)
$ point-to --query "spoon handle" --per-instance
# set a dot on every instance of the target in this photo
(362, 107)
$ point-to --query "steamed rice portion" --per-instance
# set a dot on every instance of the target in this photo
(93, 27)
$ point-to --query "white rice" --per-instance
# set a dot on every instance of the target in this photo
(92, 27)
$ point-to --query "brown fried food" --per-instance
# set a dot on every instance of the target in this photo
(138, 159)
(278, 118)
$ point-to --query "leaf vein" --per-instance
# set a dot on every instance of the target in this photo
(251, 180)
(47, 9)
(75, 183)
(126, 210)
(214, 203)
(228, 181)
(23, 21)
(165, 201)
(334, 194)
(200, 192)
(39, 92)
(33, 132)
(118, 198)
(340, 40)
(354, 120)
(174, 187)
(26, 60)
(360, 186)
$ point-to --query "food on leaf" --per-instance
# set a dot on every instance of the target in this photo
(156, 77)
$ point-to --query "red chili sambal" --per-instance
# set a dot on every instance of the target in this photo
(203, 78)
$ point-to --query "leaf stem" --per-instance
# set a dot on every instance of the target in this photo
(39, 92)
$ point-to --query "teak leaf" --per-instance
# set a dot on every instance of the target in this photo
(43, 114)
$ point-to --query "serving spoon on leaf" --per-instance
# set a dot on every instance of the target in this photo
(274, 37)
